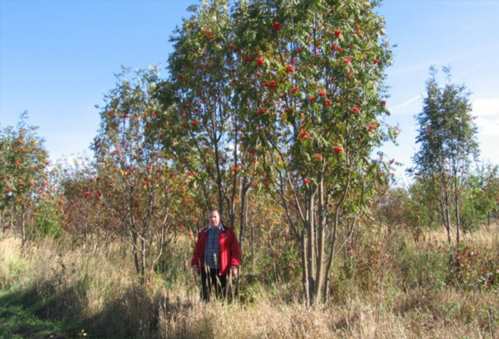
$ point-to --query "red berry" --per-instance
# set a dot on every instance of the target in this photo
(303, 135)
(261, 111)
(260, 61)
(271, 84)
(373, 125)
(317, 156)
(276, 25)
(338, 149)
(235, 169)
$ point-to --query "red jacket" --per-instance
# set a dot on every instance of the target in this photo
(229, 250)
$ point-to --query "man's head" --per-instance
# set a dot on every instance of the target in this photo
(214, 218)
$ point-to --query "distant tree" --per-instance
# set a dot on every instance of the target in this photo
(392, 207)
(447, 138)
(23, 161)
(481, 197)
(421, 212)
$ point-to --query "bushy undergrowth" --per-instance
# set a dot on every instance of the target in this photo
(384, 285)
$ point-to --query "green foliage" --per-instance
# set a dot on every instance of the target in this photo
(421, 212)
(446, 131)
(136, 184)
(426, 269)
(481, 197)
(17, 320)
(47, 221)
(23, 160)
(447, 136)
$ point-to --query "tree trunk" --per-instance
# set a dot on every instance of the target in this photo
(243, 213)
(311, 250)
(305, 263)
(252, 246)
(446, 207)
(143, 260)
(135, 251)
(22, 227)
(321, 260)
(457, 210)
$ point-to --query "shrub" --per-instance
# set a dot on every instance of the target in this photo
(426, 268)
(47, 221)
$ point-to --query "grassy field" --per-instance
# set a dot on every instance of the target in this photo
(395, 288)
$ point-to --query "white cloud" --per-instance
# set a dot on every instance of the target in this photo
(486, 111)
(486, 107)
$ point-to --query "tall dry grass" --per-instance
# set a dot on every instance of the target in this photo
(486, 236)
(94, 286)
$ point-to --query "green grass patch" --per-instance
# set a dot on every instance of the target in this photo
(19, 318)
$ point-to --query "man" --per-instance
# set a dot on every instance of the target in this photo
(217, 254)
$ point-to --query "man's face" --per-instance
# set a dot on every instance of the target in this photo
(214, 219)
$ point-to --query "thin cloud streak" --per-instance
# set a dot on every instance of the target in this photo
(406, 103)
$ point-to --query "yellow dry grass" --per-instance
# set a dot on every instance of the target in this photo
(485, 236)
(179, 313)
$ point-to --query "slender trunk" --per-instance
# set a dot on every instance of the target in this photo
(232, 202)
(215, 142)
(311, 251)
(135, 253)
(305, 264)
(144, 261)
(243, 213)
(457, 210)
(252, 245)
(333, 240)
(441, 210)
(321, 261)
(446, 207)
(23, 228)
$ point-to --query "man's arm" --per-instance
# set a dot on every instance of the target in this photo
(196, 257)
(235, 251)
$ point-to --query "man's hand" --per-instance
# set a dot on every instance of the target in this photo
(234, 270)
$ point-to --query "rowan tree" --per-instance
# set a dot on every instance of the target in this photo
(311, 79)
(23, 162)
(134, 178)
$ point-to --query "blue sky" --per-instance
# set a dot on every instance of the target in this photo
(58, 57)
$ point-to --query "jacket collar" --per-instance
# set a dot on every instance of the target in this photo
(220, 227)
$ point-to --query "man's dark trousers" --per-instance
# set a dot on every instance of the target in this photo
(211, 281)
